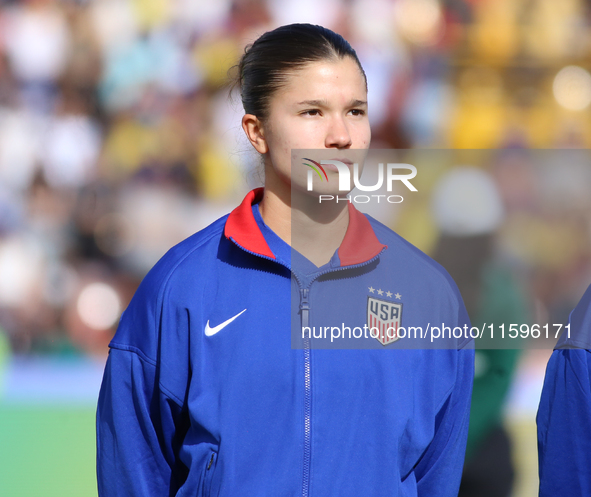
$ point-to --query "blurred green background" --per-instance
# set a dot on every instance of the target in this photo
(47, 451)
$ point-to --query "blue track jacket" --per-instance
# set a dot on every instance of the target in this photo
(204, 395)
(564, 414)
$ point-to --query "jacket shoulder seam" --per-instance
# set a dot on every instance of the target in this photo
(172, 270)
(137, 351)
(134, 350)
(428, 262)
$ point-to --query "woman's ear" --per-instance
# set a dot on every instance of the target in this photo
(255, 133)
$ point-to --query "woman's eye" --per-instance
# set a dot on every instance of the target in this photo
(357, 112)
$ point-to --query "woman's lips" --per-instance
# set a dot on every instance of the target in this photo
(332, 167)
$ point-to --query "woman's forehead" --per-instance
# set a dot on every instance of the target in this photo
(324, 81)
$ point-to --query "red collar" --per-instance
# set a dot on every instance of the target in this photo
(359, 245)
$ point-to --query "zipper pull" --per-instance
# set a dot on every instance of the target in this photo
(305, 306)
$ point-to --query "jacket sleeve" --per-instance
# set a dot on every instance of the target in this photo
(564, 413)
(136, 429)
(140, 420)
(564, 425)
(440, 469)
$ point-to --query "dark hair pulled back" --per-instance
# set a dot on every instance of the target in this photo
(266, 63)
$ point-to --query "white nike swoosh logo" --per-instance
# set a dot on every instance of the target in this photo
(212, 331)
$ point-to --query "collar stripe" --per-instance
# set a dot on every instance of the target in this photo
(242, 227)
(359, 245)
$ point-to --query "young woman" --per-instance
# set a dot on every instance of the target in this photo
(203, 393)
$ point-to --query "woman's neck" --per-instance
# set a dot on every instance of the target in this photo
(315, 231)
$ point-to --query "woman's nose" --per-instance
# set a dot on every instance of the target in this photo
(338, 135)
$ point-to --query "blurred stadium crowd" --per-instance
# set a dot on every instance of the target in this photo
(118, 137)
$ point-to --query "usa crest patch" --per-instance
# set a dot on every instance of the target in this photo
(383, 319)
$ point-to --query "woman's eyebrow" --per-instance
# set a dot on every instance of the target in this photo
(314, 103)
(324, 103)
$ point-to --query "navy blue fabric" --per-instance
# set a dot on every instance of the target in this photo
(280, 248)
(287, 255)
(564, 414)
(182, 413)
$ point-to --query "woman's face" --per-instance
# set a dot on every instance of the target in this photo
(323, 105)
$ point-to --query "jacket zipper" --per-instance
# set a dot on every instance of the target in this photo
(305, 311)
(305, 321)
(209, 475)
